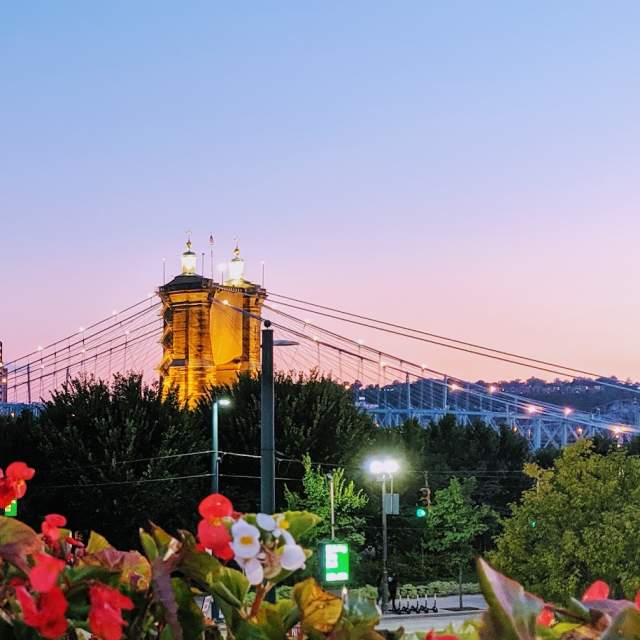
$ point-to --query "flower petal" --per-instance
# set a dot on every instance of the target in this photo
(254, 571)
(215, 506)
(599, 590)
(266, 522)
(292, 557)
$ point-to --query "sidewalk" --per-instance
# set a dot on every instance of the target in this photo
(445, 603)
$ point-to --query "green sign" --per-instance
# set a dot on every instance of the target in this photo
(12, 509)
(334, 562)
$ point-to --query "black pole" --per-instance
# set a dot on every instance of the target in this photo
(267, 432)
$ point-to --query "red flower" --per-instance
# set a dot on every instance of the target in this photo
(638, 600)
(599, 590)
(545, 617)
(45, 573)
(105, 619)
(18, 473)
(215, 506)
(50, 527)
(7, 493)
(431, 635)
(47, 614)
(215, 537)
(212, 533)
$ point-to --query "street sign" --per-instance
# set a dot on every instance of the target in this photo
(392, 504)
(334, 562)
(12, 509)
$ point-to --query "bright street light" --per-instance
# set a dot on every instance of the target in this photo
(384, 468)
(387, 466)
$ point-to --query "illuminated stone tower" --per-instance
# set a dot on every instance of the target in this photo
(210, 332)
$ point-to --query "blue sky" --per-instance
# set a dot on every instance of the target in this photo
(463, 167)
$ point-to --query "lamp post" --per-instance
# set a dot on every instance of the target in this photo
(267, 420)
(383, 469)
(215, 471)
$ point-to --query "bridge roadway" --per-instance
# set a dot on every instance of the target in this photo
(540, 428)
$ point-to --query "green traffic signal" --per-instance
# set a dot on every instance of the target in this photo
(420, 512)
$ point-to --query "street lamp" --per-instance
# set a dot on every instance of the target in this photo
(267, 420)
(383, 469)
(215, 473)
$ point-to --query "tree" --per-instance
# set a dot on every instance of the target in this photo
(108, 453)
(313, 414)
(349, 503)
(453, 524)
(581, 522)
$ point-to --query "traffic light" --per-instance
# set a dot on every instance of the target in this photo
(533, 523)
(424, 502)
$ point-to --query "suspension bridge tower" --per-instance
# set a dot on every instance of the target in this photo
(211, 332)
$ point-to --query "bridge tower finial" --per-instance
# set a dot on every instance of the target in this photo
(189, 259)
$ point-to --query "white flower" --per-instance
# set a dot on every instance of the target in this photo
(276, 524)
(266, 522)
(292, 557)
(246, 540)
(253, 570)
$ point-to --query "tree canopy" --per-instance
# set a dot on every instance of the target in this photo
(580, 523)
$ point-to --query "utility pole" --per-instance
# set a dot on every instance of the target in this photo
(267, 419)
(332, 506)
(215, 478)
(385, 581)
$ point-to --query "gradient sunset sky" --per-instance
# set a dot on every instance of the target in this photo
(467, 168)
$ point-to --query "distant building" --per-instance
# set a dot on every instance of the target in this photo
(4, 377)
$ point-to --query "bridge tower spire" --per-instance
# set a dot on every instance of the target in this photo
(211, 333)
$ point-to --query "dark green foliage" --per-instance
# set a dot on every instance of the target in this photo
(313, 415)
(587, 514)
(87, 436)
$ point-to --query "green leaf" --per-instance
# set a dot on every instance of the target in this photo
(625, 626)
(149, 545)
(512, 612)
(17, 541)
(161, 537)
(199, 566)
(97, 543)
(359, 618)
(189, 614)
(272, 622)
(87, 572)
(231, 587)
(300, 522)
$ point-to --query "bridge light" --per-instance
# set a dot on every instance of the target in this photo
(492, 388)
(579, 430)
(454, 387)
(567, 411)
(360, 341)
(39, 347)
(225, 302)
(81, 329)
(532, 409)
